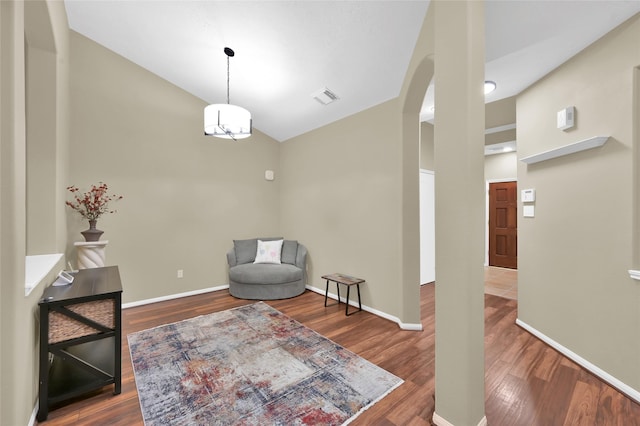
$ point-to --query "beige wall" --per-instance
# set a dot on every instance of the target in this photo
(41, 149)
(501, 166)
(574, 255)
(500, 113)
(34, 49)
(13, 402)
(350, 193)
(340, 197)
(496, 167)
(186, 195)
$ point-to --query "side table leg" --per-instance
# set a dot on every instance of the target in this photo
(326, 293)
(346, 311)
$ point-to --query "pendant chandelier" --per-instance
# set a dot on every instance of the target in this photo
(225, 120)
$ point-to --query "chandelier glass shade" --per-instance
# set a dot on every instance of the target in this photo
(225, 120)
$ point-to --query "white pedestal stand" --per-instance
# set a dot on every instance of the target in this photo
(91, 254)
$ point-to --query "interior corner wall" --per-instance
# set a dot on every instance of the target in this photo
(636, 165)
(500, 113)
(41, 92)
(15, 399)
(573, 284)
(186, 196)
(341, 198)
(35, 31)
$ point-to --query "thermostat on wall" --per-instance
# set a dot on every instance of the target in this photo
(269, 175)
(566, 118)
(528, 195)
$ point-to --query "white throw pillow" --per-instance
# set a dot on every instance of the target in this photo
(269, 251)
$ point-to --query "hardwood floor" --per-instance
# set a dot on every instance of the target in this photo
(501, 282)
(527, 382)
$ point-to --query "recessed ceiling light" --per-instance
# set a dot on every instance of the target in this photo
(489, 86)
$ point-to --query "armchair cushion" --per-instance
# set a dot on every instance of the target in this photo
(265, 273)
(289, 252)
(246, 249)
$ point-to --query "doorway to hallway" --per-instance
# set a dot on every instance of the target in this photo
(503, 224)
(501, 282)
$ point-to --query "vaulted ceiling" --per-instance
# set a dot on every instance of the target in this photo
(288, 50)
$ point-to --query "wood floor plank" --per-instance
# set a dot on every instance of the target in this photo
(527, 383)
(512, 403)
(584, 405)
(547, 364)
(616, 410)
(555, 395)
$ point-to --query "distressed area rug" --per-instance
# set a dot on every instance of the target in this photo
(250, 365)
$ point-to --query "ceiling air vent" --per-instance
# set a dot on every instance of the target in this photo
(325, 96)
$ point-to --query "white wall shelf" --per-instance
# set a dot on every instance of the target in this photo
(634, 274)
(572, 148)
(36, 269)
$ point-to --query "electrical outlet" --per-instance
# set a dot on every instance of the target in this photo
(180, 273)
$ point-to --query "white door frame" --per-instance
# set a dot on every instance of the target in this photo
(432, 173)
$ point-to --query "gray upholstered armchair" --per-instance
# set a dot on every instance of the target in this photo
(270, 280)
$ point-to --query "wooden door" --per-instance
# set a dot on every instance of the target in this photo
(503, 224)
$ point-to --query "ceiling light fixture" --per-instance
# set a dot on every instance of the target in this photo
(225, 120)
(489, 86)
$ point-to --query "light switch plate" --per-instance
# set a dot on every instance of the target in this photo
(528, 211)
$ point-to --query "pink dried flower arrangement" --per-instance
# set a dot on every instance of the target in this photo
(94, 203)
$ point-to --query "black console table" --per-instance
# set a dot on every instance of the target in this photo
(80, 337)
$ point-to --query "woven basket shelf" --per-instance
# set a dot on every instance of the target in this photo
(62, 327)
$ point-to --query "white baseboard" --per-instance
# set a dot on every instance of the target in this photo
(439, 421)
(34, 413)
(618, 384)
(173, 296)
(403, 326)
(409, 326)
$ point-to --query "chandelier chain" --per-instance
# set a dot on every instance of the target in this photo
(228, 79)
